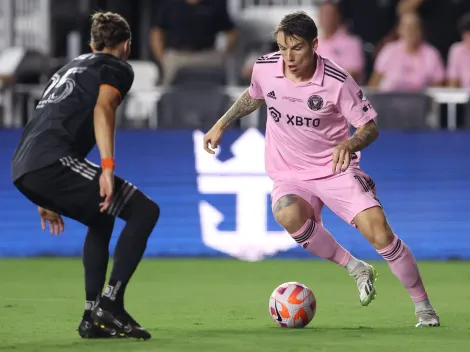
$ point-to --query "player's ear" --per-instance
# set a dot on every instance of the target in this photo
(127, 48)
(315, 44)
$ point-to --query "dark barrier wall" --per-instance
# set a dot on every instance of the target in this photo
(220, 206)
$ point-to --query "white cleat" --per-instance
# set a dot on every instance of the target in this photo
(427, 318)
(365, 276)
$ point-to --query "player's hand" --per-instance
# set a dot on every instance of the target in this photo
(106, 188)
(212, 138)
(341, 157)
(56, 224)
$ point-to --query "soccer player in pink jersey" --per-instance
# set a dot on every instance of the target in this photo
(458, 69)
(337, 44)
(314, 161)
(408, 64)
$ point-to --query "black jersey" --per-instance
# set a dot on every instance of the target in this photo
(62, 124)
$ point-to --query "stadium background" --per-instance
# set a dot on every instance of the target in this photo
(220, 207)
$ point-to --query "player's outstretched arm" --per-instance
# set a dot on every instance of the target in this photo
(363, 136)
(243, 106)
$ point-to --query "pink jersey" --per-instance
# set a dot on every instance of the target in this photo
(459, 64)
(403, 71)
(344, 49)
(307, 120)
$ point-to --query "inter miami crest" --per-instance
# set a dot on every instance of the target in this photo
(315, 102)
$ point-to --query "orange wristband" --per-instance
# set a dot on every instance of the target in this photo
(108, 163)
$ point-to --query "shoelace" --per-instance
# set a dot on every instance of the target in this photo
(361, 273)
(426, 314)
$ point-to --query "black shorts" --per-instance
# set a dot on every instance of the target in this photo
(70, 187)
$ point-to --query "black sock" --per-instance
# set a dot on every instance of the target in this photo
(95, 259)
(113, 297)
(141, 215)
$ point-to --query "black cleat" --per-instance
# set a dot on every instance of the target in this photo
(87, 330)
(122, 322)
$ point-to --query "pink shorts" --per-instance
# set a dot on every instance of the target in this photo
(346, 194)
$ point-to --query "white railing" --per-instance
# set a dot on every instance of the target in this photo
(147, 101)
(26, 23)
(237, 6)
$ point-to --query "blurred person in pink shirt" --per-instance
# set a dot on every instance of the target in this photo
(337, 44)
(458, 67)
(408, 64)
(313, 160)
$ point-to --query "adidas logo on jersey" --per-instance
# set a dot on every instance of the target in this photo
(272, 95)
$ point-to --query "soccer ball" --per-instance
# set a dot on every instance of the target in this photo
(292, 305)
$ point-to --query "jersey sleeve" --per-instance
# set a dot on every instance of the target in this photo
(353, 104)
(118, 75)
(255, 90)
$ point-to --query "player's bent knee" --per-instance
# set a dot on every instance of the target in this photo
(141, 207)
(150, 209)
(374, 226)
(291, 219)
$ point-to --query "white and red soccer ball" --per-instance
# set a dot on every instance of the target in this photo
(292, 305)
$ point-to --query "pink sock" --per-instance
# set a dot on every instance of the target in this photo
(318, 241)
(404, 267)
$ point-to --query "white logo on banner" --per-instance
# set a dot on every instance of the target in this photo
(243, 175)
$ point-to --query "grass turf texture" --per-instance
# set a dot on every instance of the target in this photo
(222, 305)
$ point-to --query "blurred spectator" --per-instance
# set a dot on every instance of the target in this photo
(337, 44)
(458, 67)
(184, 34)
(408, 64)
(439, 18)
(373, 21)
(372, 24)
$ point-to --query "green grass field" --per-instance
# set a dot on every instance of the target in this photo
(222, 305)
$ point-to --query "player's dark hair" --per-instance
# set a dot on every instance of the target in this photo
(108, 29)
(298, 24)
(464, 23)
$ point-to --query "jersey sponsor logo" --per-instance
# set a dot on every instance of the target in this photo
(243, 176)
(302, 121)
(271, 95)
(275, 114)
(293, 100)
(361, 95)
(315, 102)
(367, 107)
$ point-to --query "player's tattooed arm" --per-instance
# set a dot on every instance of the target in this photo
(243, 106)
(363, 136)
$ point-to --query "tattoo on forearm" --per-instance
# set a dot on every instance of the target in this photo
(284, 202)
(363, 136)
(243, 106)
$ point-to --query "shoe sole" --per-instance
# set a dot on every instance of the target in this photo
(430, 325)
(105, 320)
(373, 293)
